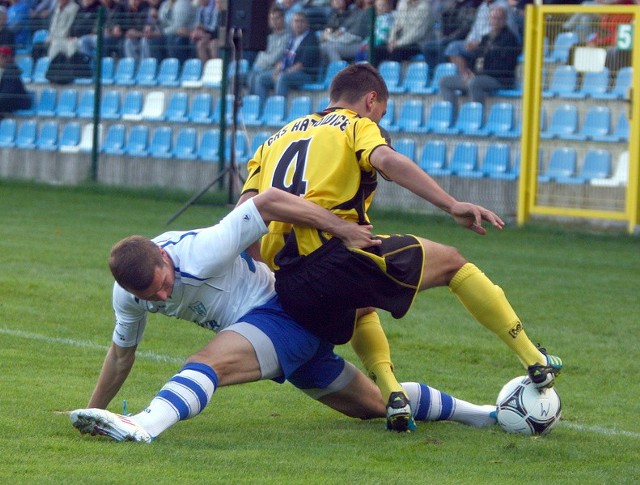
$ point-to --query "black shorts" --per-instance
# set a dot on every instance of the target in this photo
(325, 289)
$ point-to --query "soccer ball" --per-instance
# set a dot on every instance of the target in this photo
(525, 409)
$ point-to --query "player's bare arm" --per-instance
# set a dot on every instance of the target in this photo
(406, 173)
(115, 369)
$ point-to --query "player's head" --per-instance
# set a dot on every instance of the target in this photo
(142, 268)
(360, 87)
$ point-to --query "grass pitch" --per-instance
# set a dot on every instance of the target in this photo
(576, 292)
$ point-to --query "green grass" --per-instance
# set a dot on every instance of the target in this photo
(576, 292)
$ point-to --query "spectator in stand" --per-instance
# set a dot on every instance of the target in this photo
(411, 24)
(152, 43)
(60, 41)
(40, 13)
(7, 37)
(342, 39)
(456, 20)
(290, 7)
(460, 52)
(299, 63)
(606, 34)
(134, 26)
(13, 95)
(381, 29)
(495, 60)
(18, 22)
(112, 33)
(205, 35)
(267, 59)
(86, 19)
(178, 18)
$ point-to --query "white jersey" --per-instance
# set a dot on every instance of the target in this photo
(215, 282)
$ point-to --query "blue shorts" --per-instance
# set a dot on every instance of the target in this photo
(307, 361)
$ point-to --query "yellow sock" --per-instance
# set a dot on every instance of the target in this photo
(370, 343)
(488, 304)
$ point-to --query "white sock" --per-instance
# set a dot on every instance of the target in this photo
(183, 397)
(429, 404)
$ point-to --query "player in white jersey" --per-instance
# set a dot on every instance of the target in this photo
(204, 277)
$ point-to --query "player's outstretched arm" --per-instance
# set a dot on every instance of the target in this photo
(115, 369)
(277, 205)
(406, 173)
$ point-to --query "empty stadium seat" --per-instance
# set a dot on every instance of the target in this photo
(47, 102)
(161, 144)
(258, 139)
(250, 110)
(564, 121)
(114, 140)
(464, 161)
(496, 161)
(323, 102)
(300, 106)
(86, 138)
(596, 165)
(67, 101)
(200, 110)
(177, 108)
(209, 145)
(405, 146)
(500, 121)
(561, 164)
(273, 113)
(416, 78)
(442, 70)
(391, 72)
(132, 106)
(620, 131)
(228, 107)
(168, 72)
(47, 138)
(433, 158)
(147, 71)
(153, 108)
(26, 134)
(110, 105)
(469, 120)
(411, 117)
(124, 74)
(85, 104)
(186, 144)
(212, 73)
(596, 125)
(621, 86)
(70, 138)
(620, 175)
(440, 117)
(240, 149)
(563, 82)
(137, 141)
(40, 71)
(7, 132)
(593, 83)
(332, 69)
(191, 73)
(25, 63)
(388, 121)
(107, 70)
(562, 46)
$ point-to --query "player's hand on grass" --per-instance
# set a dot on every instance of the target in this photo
(471, 216)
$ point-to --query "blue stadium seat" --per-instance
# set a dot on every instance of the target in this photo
(621, 86)
(114, 140)
(561, 164)
(416, 78)
(8, 132)
(274, 111)
(563, 83)
(125, 72)
(191, 73)
(496, 163)
(411, 117)
(243, 69)
(433, 158)
(464, 160)
(40, 71)
(161, 144)
(177, 107)
(440, 117)
(442, 70)
(620, 131)
(241, 147)
(300, 106)
(391, 72)
(323, 102)
(47, 139)
(110, 105)
(108, 70)
(186, 144)
(258, 139)
(40, 35)
(169, 71)
(47, 102)
(137, 141)
(132, 105)
(562, 46)
(26, 134)
(500, 121)
(147, 72)
(85, 104)
(405, 146)
(593, 83)
(70, 137)
(388, 121)
(200, 110)
(25, 64)
(208, 146)
(215, 114)
(564, 121)
(332, 69)
(250, 110)
(469, 120)
(596, 125)
(67, 103)
(596, 165)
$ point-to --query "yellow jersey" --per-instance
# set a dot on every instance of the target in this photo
(323, 157)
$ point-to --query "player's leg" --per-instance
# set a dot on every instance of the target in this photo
(372, 347)
(444, 265)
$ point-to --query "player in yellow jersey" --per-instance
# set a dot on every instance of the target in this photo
(333, 158)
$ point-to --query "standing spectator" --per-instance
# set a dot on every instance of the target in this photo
(7, 37)
(495, 59)
(60, 29)
(272, 55)
(205, 35)
(13, 96)
(40, 13)
(178, 18)
(299, 64)
(411, 23)
(344, 41)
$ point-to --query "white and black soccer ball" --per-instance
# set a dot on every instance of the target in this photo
(525, 409)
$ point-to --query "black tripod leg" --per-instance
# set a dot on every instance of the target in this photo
(193, 199)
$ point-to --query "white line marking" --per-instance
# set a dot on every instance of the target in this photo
(175, 360)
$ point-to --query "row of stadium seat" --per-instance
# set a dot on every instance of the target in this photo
(565, 83)
(596, 126)
(562, 168)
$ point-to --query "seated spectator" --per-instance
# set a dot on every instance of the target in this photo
(299, 64)
(13, 95)
(18, 22)
(152, 42)
(7, 37)
(178, 18)
(290, 7)
(111, 30)
(456, 20)
(277, 40)
(345, 32)
(133, 26)
(381, 29)
(410, 26)
(205, 35)
(86, 19)
(495, 60)
(460, 51)
(606, 33)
